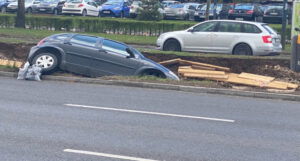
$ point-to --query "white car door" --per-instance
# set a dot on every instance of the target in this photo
(199, 38)
(92, 8)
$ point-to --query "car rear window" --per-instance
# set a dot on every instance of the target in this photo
(244, 7)
(269, 29)
(229, 27)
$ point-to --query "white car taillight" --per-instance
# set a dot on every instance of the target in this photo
(267, 39)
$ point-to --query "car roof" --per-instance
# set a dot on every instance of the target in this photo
(248, 22)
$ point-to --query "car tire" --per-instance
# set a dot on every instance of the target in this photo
(84, 13)
(242, 49)
(48, 62)
(154, 73)
(29, 10)
(172, 45)
(3, 9)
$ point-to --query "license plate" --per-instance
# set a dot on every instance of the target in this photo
(274, 14)
(106, 12)
(239, 19)
(71, 6)
(42, 9)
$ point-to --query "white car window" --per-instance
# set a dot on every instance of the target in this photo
(206, 27)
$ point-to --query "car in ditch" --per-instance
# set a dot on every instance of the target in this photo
(93, 56)
(224, 36)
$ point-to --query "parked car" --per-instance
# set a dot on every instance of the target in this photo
(134, 8)
(4, 4)
(224, 36)
(30, 6)
(274, 13)
(115, 8)
(51, 6)
(169, 2)
(81, 7)
(93, 56)
(222, 11)
(183, 11)
(246, 11)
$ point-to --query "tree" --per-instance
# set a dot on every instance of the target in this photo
(20, 20)
(150, 11)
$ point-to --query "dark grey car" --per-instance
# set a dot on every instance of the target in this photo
(93, 56)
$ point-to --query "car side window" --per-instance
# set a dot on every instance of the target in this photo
(249, 28)
(229, 27)
(84, 40)
(206, 27)
(114, 47)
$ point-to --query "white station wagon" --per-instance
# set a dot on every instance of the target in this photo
(224, 36)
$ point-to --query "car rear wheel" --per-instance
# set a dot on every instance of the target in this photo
(242, 49)
(172, 45)
(3, 9)
(47, 61)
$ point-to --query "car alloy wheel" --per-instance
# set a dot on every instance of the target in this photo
(242, 49)
(171, 45)
(47, 61)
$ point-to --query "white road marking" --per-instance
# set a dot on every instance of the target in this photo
(106, 155)
(150, 113)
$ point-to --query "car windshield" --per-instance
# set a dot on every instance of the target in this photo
(74, 1)
(115, 2)
(244, 7)
(176, 6)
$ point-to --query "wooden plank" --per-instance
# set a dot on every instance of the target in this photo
(293, 86)
(169, 62)
(233, 78)
(202, 67)
(205, 76)
(203, 64)
(3, 62)
(197, 71)
(256, 77)
(18, 64)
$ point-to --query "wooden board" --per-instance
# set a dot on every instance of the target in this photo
(198, 71)
(256, 77)
(205, 76)
(202, 67)
(169, 62)
(203, 64)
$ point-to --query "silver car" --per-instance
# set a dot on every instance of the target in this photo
(183, 11)
(224, 36)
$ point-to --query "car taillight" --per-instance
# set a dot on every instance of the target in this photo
(267, 39)
(230, 11)
(80, 5)
(41, 42)
(250, 12)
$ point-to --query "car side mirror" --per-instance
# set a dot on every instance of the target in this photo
(131, 55)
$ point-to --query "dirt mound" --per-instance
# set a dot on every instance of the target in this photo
(278, 68)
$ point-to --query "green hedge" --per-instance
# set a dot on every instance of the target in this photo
(104, 25)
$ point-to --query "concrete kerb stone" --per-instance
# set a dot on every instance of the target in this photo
(289, 97)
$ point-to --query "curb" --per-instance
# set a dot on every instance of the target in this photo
(288, 97)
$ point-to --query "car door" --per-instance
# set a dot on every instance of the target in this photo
(199, 38)
(228, 33)
(114, 59)
(79, 53)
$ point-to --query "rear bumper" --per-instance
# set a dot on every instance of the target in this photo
(71, 11)
(268, 50)
(244, 16)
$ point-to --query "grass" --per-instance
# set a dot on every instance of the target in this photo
(33, 36)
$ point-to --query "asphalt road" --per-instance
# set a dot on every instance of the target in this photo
(54, 121)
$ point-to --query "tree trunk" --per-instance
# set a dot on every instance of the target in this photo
(207, 9)
(20, 20)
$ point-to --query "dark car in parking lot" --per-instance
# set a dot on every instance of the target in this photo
(273, 13)
(93, 56)
(222, 11)
(3, 5)
(246, 11)
(50, 6)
